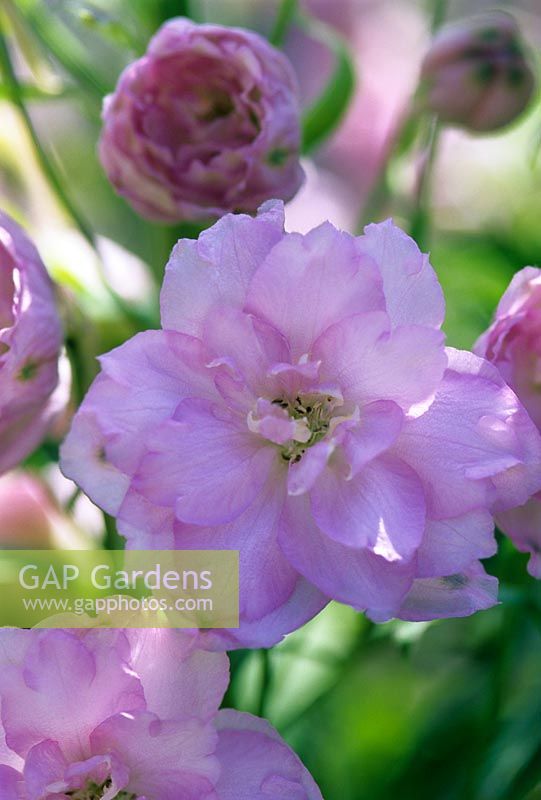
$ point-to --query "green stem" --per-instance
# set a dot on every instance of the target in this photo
(439, 14)
(112, 539)
(17, 97)
(266, 681)
(284, 18)
(420, 218)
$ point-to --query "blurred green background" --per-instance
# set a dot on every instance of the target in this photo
(448, 710)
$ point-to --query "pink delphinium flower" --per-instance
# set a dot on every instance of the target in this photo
(30, 343)
(206, 122)
(513, 344)
(133, 715)
(299, 405)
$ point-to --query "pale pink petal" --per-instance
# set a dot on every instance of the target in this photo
(37, 701)
(303, 474)
(379, 426)
(257, 764)
(267, 580)
(301, 606)
(382, 508)
(10, 781)
(164, 759)
(204, 465)
(217, 269)
(370, 362)
(450, 545)
(523, 525)
(45, 765)
(412, 292)
(456, 595)
(356, 577)
(84, 459)
(310, 282)
(178, 677)
(492, 458)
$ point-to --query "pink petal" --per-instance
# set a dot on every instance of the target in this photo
(37, 700)
(84, 459)
(45, 765)
(378, 429)
(369, 362)
(356, 577)
(245, 344)
(10, 781)
(257, 764)
(450, 545)
(523, 525)
(267, 580)
(303, 474)
(475, 446)
(382, 508)
(204, 465)
(302, 605)
(217, 268)
(457, 595)
(310, 282)
(178, 677)
(412, 292)
(165, 759)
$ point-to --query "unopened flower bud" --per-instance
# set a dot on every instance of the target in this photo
(477, 73)
(207, 121)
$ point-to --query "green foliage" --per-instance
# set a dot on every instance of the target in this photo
(322, 117)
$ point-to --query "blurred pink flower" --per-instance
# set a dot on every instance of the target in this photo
(30, 517)
(30, 343)
(513, 344)
(299, 405)
(131, 715)
(476, 74)
(206, 122)
(385, 39)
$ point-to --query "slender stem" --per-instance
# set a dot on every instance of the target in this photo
(439, 13)
(17, 96)
(284, 18)
(112, 539)
(420, 219)
(266, 681)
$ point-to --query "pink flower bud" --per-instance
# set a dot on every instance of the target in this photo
(476, 73)
(206, 122)
(30, 343)
(30, 518)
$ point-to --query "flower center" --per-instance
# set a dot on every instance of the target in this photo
(95, 791)
(315, 412)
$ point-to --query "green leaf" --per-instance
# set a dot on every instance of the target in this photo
(31, 93)
(322, 117)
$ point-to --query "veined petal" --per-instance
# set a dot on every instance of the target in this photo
(204, 465)
(475, 447)
(164, 759)
(382, 508)
(370, 362)
(412, 291)
(456, 595)
(217, 268)
(310, 282)
(350, 575)
(256, 763)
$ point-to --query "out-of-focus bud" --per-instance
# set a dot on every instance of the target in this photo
(477, 73)
(513, 344)
(30, 518)
(206, 122)
(30, 344)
